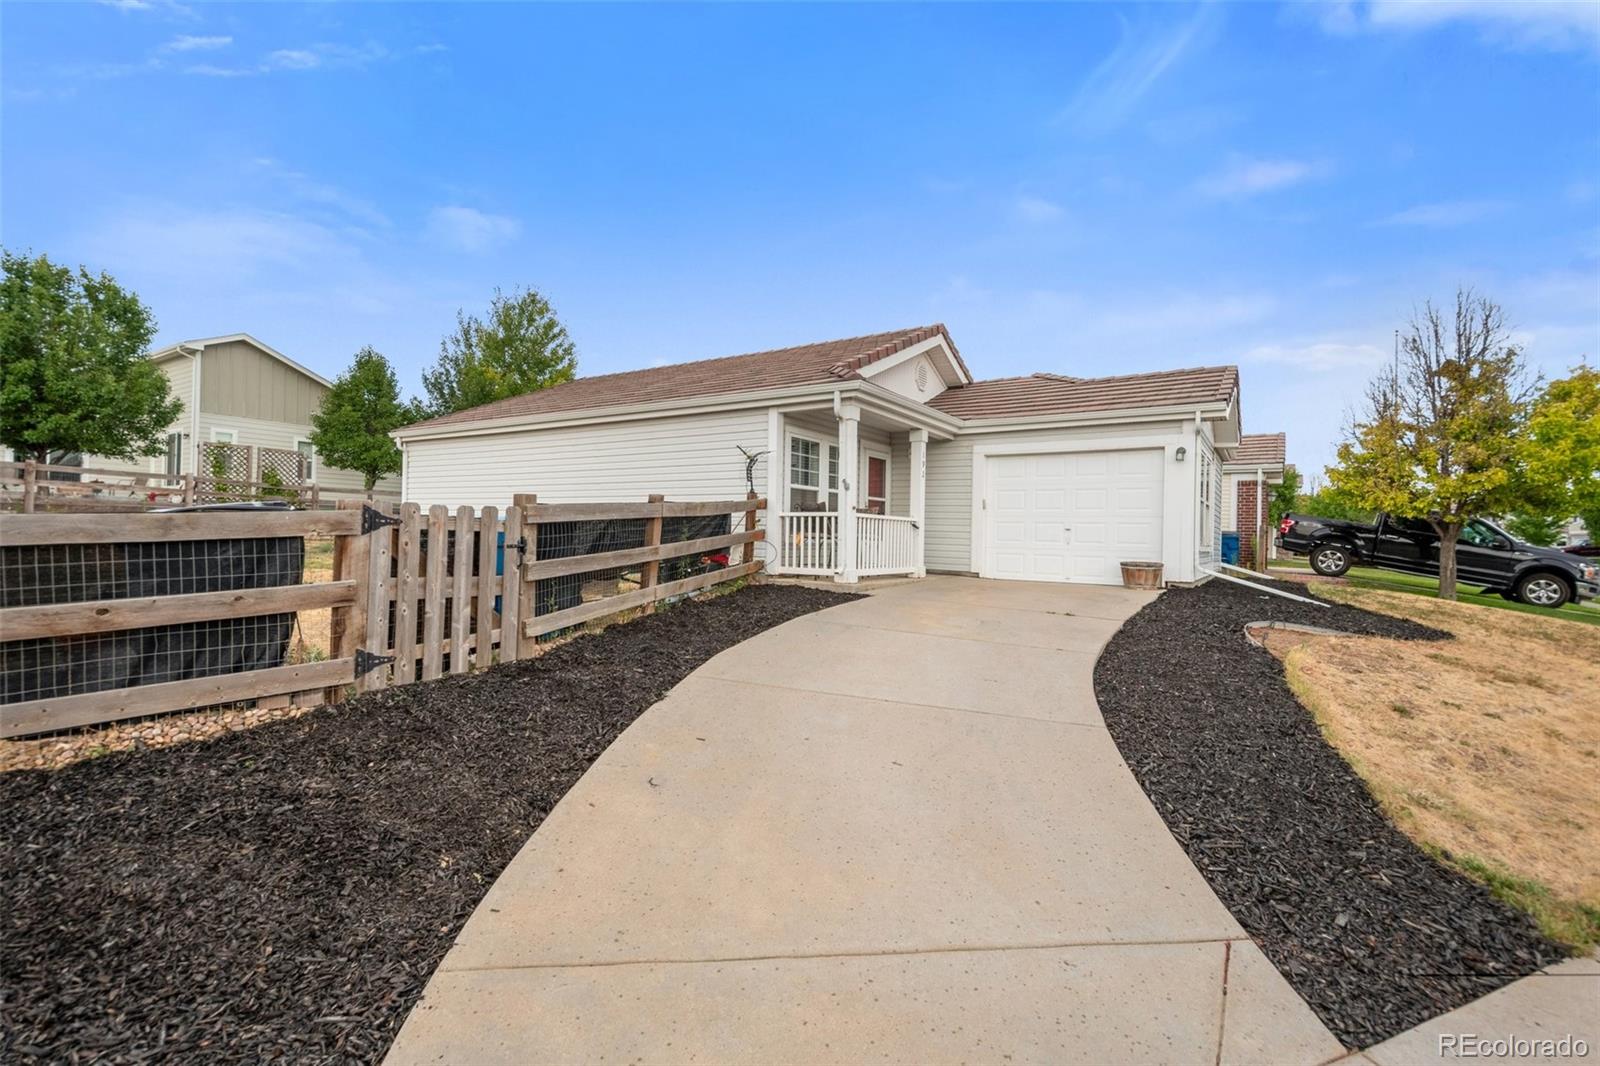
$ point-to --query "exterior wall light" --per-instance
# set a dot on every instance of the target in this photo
(1180, 453)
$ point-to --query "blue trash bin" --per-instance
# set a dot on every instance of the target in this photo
(1230, 548)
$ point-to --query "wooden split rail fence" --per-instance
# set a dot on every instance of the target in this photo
(414, 595)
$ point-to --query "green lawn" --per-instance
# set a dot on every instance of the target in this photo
(1387, 580)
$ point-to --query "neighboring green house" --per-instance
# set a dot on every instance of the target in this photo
(237, 390)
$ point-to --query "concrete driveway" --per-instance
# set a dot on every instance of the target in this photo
(896, 830)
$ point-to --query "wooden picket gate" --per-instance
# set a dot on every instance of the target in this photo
(429, 602)
(413, 595)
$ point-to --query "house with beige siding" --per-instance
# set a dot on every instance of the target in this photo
(237, 390)
(879, 454)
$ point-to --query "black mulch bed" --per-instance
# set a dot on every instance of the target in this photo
(284, 893)
(1371, 931)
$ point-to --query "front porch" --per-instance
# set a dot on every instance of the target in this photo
(849, 492)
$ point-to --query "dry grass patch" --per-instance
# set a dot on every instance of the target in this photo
(1486, 748)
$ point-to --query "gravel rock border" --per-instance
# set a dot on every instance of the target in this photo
(283, 893)
(1375, 934)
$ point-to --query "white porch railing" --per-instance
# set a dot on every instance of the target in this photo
(885, 544)
(808, 543)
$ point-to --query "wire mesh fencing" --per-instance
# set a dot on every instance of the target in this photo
(59, 574)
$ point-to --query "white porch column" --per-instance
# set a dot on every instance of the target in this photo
(919, 499)
(777, 496)
(849, 491)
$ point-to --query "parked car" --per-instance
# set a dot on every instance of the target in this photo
(1486, 555)
(1587, 551)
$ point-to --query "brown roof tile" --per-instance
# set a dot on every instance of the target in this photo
(1263, 449)
(1048, 394)
(801, 365)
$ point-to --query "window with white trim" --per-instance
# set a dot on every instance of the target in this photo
(174, 454)
(1207, 500)
(303, 446)
(805, 475)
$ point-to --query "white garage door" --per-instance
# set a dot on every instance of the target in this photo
(1072, 516)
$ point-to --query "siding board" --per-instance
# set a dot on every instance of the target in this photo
(684, 458)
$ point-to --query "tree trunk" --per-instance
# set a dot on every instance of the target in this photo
(40, 456)
(1448, 535)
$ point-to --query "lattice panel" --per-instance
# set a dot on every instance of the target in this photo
(227, 462)
(287, 463)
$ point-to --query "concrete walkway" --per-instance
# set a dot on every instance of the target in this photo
(893, 831)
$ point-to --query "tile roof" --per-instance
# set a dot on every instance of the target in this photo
(1048, 394)
(1261, 449)
(801, 365)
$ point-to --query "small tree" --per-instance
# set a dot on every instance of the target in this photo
(1441, 435)
(1534, 528)
(358, 414)
(522, 347)
(1284, 495)
(73, 372)
(1326, 501)
(1560, 468)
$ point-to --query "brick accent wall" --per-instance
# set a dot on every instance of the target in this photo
(1248, 520)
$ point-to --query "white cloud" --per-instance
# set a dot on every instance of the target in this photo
(1143, 55)
(1037, 209)
(211, 70)
(292, 59)
(1523, 24)
(1445, 214)
(189, 43)
(1316, 356)
(1250, 177)
(304, 189)
(170, 7)
(467, 229)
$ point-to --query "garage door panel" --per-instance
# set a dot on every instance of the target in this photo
(1074, 516)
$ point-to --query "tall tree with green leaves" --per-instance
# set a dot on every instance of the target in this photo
(1284, 495)
(1560, 471)
(1441, 435)
(73, 372)
(1534, 527)
(1326, 501)
(358, 414)
(521, 347)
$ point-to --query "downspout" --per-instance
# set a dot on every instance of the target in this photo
(1259, 540)
(194, 410)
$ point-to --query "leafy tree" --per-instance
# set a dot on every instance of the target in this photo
(1535, 528)
(1560, 463)
(1284, 496)
(73, 372)
(1442, 432)
(522, 347)
(358, 414)
(1325, 501)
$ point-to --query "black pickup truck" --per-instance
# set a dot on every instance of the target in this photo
(1486, 555)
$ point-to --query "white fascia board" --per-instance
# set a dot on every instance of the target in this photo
(1210, 412)
(793, 396)
(886, 403)
(950, 371)
(689, 405)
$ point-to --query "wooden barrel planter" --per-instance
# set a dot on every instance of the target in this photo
(1141, 575)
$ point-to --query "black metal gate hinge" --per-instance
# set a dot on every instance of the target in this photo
(373, 519)
(366, 662)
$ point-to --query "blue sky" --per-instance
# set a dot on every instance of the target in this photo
(1086, 189)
